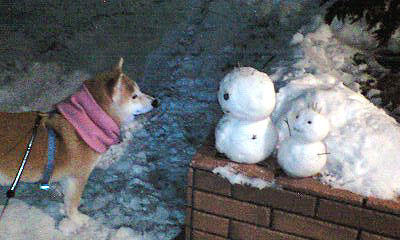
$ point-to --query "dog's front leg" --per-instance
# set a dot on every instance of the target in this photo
(72, 196)
(73, 188)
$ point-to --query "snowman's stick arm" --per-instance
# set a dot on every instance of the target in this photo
(323, 153)
(287, 122)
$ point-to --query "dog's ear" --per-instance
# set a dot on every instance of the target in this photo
(118, 66)
(115, 87)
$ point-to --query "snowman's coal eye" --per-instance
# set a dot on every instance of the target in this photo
(254, 137)
(297, 116)
(226, 96)
(309, 122)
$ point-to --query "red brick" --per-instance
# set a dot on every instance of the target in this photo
(340, 213)
(275, 198)
(190, 177)
(211, 182)
(189, 192)
(370, 236)
(198, 235)
(360, 218)
(314, 187)
(188, 232)
(205, 159)
(232, 208)
(389, 206)
(210, 223)
(308, 227)
(244, 231)
(188, 216)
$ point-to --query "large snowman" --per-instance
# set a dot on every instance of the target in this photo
(245, 133)
(303, 154)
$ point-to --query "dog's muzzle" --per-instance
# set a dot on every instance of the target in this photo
(155, 103)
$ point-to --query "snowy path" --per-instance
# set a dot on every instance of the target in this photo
(140, 188)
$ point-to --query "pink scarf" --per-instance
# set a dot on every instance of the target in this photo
(94, 126)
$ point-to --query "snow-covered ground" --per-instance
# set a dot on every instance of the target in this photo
(177, 51)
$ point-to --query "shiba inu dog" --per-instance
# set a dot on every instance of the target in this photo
(85, 126)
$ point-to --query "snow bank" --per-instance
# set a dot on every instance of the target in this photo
(363, 142)
(24, 222)
(35, 224)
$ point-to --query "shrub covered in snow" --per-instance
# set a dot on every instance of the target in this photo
(383, 16)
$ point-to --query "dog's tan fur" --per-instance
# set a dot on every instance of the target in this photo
(74, 159)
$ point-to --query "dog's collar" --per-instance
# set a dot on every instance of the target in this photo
(91, 122)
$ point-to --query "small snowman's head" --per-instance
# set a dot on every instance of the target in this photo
(247, 94)
(309, 125)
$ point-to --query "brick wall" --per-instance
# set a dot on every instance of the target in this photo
(297, 209)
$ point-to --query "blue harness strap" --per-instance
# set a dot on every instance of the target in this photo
(51, 152)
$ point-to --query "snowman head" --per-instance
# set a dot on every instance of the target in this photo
(309, 125)
(247, 94)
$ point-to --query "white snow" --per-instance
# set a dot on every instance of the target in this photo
(36, 224)
(297, 38)
(235, 177)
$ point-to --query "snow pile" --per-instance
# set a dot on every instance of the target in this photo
(235, 177)
(36, 224)
(363, 142)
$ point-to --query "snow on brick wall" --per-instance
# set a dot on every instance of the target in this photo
(288, 209)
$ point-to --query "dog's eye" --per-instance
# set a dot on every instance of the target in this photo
(297, 116)
(226, 96)
(134, 96)
(309, 122)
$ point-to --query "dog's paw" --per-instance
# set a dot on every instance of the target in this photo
(71, 225)
(68, 227)
(80, 219)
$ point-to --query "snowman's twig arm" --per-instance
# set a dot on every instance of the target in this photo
(323, 153)
(287, 122)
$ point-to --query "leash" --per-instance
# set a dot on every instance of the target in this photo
(51, 153)
(11, 192)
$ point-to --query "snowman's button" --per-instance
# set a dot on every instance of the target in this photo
(226, 96)
(254, 137)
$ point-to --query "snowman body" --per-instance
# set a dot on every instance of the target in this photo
(303, 154)
(245, 133)
(245, 141)
(299, 159)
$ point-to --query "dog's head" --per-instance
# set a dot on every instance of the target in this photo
(118, 95)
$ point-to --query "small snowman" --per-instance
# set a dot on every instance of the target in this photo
(303, 154)
(245, 133)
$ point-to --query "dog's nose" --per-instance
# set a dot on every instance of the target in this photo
(155, 103)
